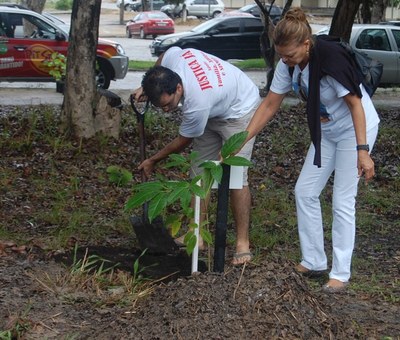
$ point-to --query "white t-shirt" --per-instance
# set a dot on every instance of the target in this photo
(331, 98)
(213, 88)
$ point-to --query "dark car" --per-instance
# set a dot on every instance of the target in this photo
(275, 12)
(227, 37)
(137, 6)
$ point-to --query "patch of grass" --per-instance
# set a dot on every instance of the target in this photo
(100, 279)
(139, 65)
(250, 64)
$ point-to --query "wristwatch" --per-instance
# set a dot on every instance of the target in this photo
(363, 147)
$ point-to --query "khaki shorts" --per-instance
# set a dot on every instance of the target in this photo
(217, 131)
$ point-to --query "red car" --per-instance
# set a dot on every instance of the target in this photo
(152, 23)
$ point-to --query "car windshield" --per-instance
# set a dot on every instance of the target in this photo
(160, 15)
(246, 8)
(205, 25)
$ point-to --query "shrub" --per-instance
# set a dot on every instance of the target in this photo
(63, 4)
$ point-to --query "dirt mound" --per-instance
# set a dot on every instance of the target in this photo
(261, 301)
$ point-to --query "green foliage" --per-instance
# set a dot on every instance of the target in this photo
(57, 65)
(91, 263)
(63, 4)
(164, 193)
(249, 64)
(118, 176)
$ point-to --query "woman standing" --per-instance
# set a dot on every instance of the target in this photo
(343, 125)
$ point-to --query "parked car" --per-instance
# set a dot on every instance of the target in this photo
(157, 4)
(127, 4)
(227, 37)
(28, 39)
(152, 23)
(390, 22)
(198, 8)
(275, 12)
(380, 42)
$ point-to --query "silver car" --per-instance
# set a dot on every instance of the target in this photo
(198, 8)
(380, 42)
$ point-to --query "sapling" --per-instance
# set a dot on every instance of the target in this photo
(164, 193)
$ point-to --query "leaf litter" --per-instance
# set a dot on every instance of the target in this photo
(264, 299)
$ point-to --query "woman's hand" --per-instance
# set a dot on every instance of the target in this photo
(365, 165)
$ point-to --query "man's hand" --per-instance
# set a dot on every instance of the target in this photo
(365, 165)
(147, 166)
(138, 95)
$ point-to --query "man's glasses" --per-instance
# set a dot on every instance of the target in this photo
(302, 90)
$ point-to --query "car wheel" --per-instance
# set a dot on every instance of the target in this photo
(142, 35)
(216, 13)
(128, 33)
(127, 7)
(103, 76)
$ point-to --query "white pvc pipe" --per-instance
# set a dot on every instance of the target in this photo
(195, 254)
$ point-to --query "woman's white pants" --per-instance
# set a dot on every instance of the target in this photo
(339, 157)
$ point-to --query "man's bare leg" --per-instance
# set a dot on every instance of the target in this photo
(240, 203)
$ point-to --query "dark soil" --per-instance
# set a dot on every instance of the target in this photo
(262, 300)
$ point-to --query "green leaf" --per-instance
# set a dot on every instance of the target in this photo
(190, 241)
(186, 199)
(238, 161)
(206, 236)
(216, 173)
(179, 190)
(208, 165)
(176, 160)
(139, 199)
(233, 143)
(175, 227)
(197, 190)
(194, 155)
(156, 206)
(207, 180)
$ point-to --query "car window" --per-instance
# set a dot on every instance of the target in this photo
(18, 25)
(396, 34)
(253, 25)
(373, 39)
(228, 26)
(274, 10)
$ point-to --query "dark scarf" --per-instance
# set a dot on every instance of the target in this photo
(327, 57)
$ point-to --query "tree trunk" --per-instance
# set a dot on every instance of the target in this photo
(378, 11)
(78, 109)
(34, 5)
(343, 18)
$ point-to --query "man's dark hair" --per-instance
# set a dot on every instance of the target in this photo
(159, 80)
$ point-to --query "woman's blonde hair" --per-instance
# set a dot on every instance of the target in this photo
(293, 28)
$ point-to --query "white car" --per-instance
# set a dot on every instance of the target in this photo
(127, 4)
(380, 42)
(198, 8)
